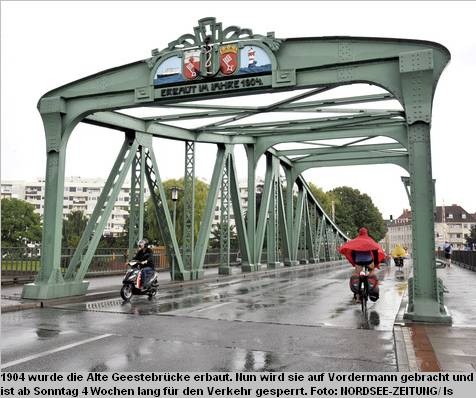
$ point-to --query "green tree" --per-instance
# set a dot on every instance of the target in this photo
(216, 234)
(73, 227)
(354, 210)
(20, 223)
(324, 198)
(471, 237)
(201, 192)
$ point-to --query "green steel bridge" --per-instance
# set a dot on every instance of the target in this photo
(219, 63)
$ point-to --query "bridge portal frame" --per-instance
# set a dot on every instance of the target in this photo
(407, 69)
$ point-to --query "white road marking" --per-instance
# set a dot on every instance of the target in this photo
(63, 348)
(212, 306)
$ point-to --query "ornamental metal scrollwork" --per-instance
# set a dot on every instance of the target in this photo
(209, 32)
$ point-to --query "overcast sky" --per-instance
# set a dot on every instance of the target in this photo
(47, 44)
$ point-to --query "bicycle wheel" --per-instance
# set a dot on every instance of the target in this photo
(364, 296)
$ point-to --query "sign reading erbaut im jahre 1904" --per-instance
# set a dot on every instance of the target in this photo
(213, 87)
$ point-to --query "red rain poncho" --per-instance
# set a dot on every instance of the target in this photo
(363, 242)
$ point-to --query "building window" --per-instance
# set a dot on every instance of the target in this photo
(450, 215)
(72, 189)
(463, 216)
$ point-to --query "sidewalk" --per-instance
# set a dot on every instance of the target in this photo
(449, 348)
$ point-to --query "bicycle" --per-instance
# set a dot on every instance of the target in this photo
(364, 290)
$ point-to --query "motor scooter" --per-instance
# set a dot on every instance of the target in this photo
(133, 284)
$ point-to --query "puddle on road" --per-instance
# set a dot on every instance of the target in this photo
(123, 360)
(318, 301)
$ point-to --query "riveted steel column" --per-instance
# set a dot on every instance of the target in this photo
(325, 239)
(189, 206)
(251, 213)
(290, 178)
(136, 213)
(425, 297)
(272, 220)
(283, 227)
(242, 235)
(303, 238)
(309, 232)
(224, 268)
(264, 208)
(49, 281)
(298, 222)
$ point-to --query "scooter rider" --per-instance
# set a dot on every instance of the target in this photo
(145, 258)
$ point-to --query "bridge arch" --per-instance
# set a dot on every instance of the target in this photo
(215, 63)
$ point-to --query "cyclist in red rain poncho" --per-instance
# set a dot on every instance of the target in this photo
(363, 251)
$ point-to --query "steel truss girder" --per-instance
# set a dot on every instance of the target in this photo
(86, 248)
(164, 222)
(395, 132)
(400, 160)
(224, 267)
(312, 123)
(207, 218)
(309, 233)
(283, 227)
(272, 225)
(351, 155)
(298, 217)
(189, 206)
(338, 149)
(264, 208)
(136, 213)
(241, 228)
(304, 106)
(266, 108)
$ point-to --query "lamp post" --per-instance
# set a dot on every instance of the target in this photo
(174, 192)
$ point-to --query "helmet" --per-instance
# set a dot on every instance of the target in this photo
(143, 242)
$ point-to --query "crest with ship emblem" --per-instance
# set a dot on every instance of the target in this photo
(213, 53)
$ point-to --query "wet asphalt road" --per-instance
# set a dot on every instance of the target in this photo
(297, 320)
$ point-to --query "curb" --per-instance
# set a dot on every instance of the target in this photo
(20, 307)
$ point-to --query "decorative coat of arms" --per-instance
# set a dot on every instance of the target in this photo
(228, 59)
(213, 52)
(191, 64)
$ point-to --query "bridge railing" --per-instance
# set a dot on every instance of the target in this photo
(464, 258)
(23, 263)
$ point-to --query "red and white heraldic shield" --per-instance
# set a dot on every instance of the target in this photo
(191, 64)
(228, 59)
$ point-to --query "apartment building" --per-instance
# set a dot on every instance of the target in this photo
(243, 192)
(82, 194)
(79, 194)
(452, 224)
(400, 232)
